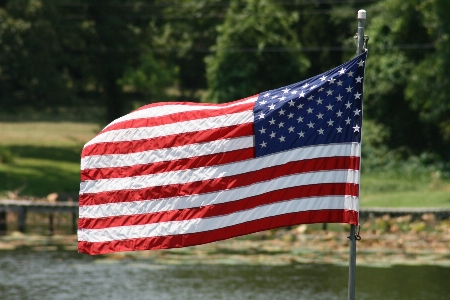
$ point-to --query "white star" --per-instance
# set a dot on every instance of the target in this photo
(272, 122)
(339, 83)
(319, 116)
(266, 95)
(350, 74)
(281, 125)
(356, 128)
(339, 113)
(261, 116)
(331, 80)
(357, 111)
(290, 116)
(272, 135)
(285, 90)
(361, 63)
(310, 97)
(282, 98)
(301, 134)
(321, 89)
(310, 125)
(329, 92)
(359, 78)
(320, 131)
(263, 144)
(323, 78)
(348, 104)
(263, 102)
(291, 103)
(282, 139)
(300, 119)
(330, 123)
(262, 130)
(342, 71)
(319, 101)
(339, 97)
(347, 121)
(291, 129)
(339, 129)
(300, 106)
(357, 95)
(309, 110)
(349, 89)
(294, 92)
(272, 106)
(273, 97)
(305, 86)
(301, 94)
(312, 87)
(281, 112)
(329, 106)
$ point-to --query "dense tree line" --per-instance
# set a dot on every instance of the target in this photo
(118, 54)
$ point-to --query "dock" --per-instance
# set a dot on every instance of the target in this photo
(22, 207)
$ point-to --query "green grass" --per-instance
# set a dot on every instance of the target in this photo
(397, 190)
(46, 159)
(46, 156)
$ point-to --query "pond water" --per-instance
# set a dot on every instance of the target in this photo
(26, 274)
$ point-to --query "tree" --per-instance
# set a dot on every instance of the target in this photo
(428, 88)
(33, 72)
(242, 63)
(400, 78)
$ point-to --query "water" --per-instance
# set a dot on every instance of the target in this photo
(26, 274)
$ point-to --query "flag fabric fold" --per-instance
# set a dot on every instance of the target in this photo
(171, 175)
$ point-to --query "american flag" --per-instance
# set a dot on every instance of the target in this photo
(180, 174)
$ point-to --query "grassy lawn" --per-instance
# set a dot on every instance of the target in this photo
(47, 160)
(379, 190)
(46, 156)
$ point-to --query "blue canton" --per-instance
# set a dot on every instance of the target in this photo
(325, 109)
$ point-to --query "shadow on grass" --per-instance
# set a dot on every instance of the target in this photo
(39, 171)
(67, 154)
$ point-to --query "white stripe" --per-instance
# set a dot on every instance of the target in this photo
(205, 173)
(164, 110)
(167, 154)
(141, 133)
(201, 225)
(192, 201)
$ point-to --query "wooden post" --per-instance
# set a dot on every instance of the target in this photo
(3, 224)
(74, 223)
(22, 218)
(51, 227)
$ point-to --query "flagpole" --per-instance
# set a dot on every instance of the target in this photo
(352, 237)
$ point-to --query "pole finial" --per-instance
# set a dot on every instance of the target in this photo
(361, 14)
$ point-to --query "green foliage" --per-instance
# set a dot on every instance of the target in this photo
(151, 77)
(429, 85)
(406, 87)
(32, 55)
(188, 30)
(257, 26)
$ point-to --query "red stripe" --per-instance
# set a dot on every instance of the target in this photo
(168, 141)
(157, 104)
(317, 190)
(185, 240)
(224, 183)
(178, 117)
(164, 166)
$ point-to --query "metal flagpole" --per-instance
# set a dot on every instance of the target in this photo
(353, 236)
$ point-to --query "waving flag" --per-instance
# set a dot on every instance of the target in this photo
(180, 174)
